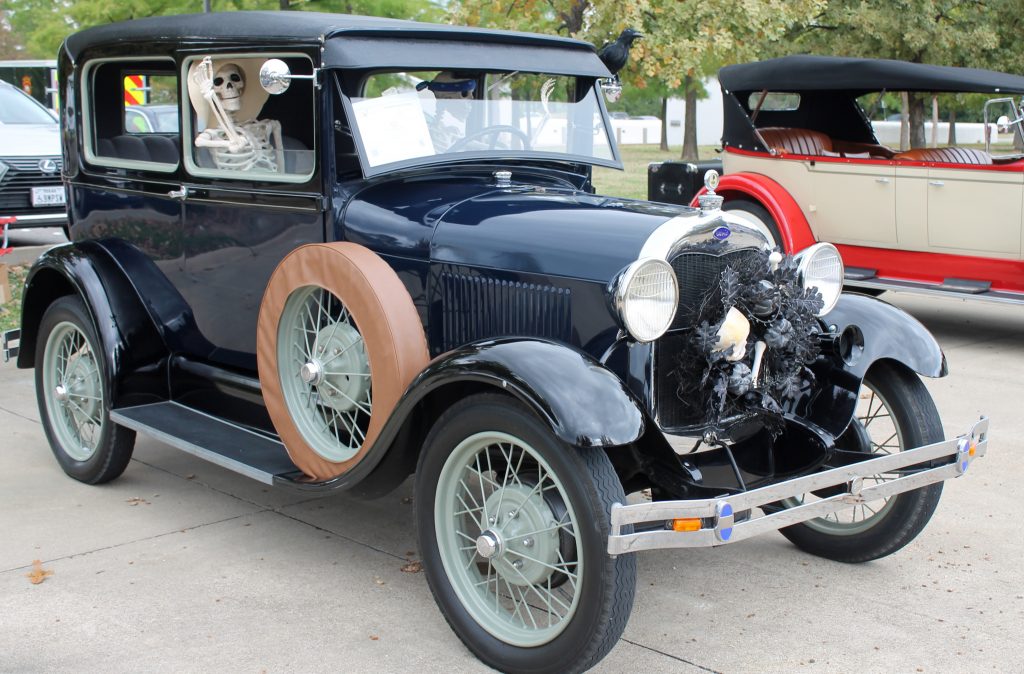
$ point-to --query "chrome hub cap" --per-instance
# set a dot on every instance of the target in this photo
(488, 544)
(60, 393)
(325, 373)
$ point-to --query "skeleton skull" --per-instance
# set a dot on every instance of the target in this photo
(229, 83)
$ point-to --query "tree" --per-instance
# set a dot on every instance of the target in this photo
(946, 32)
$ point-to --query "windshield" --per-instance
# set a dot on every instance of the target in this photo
(424, 117)
(19, 108)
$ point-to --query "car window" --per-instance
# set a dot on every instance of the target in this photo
(237, 130)
(17, 107)
(120, 96)
(420, 116)
(773, 101)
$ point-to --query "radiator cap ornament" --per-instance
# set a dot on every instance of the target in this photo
(710, 202)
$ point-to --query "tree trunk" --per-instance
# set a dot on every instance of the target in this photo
(935, 121)
(690, 123)
(283, 4)
(664, 124)
(952, 128)
(917, 117)
(904, 122)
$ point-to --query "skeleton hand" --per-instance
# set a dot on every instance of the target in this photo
(203, 77)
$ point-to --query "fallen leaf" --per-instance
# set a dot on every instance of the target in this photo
(414, 566)
(378, 581)
(374, 637)
(38, 574)
(136, 500)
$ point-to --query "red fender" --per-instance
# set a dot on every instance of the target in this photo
(793, 227)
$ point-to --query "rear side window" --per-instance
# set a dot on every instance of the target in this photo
(773, 101)
(131, 114)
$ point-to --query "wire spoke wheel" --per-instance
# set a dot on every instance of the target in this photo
(507, 537)
(325, 372)
(879, 428)
(73, 391)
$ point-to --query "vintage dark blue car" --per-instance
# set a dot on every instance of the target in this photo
(372, 248)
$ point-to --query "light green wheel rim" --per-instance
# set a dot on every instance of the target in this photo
(886, 438)
(507, 536)
(325, 373)
(73, 391)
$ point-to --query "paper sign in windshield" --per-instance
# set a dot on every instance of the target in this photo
(392, 128)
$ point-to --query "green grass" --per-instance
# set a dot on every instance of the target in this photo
(10, 313)
(632, 183)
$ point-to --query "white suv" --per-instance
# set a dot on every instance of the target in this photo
(30, 162)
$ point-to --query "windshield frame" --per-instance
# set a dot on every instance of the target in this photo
(489, 155)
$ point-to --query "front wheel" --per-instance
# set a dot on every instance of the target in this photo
(513, 526)
(894, 413)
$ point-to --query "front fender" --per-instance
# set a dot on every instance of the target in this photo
(584, 403)
(133, 348)
(889, 333)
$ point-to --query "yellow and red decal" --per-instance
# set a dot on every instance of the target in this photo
(135, 90)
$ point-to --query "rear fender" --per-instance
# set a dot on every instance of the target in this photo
(135, 353)
(793, 226)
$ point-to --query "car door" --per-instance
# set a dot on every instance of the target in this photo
(242, 214)
(855, 202)
(975, 211)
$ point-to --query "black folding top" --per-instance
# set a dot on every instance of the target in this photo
(834, 73)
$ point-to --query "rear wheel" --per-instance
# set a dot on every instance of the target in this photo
(73, 397)
(895, 413)
(513, 525)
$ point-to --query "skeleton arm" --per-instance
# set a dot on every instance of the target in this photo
(275, 127)
(203, 76)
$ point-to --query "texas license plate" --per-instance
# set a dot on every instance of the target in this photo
(48, 196)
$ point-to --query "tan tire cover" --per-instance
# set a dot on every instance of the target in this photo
(386, 317)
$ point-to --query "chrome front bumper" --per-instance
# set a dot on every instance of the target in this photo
(11, 339)
(718, 516)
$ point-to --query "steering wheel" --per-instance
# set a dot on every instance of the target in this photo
(491, 131)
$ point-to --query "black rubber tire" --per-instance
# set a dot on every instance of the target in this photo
(758, 211)
(116, 443)
(592, 486)
(914, 414)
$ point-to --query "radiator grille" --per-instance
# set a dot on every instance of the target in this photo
(699, 274)
(478, 307)
(22, 175)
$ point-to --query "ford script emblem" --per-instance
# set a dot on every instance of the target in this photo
(50, 166)
(722, 233)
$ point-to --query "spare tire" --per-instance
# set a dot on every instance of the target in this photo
(338, 342)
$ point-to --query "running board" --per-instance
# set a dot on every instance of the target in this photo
(958, 288)
(207, 437)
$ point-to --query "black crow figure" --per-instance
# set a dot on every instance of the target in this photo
(615, 54)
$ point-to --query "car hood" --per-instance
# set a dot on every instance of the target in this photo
(29, 140)
(548, 231)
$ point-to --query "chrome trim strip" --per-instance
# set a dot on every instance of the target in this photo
(933, 290)
(721, 511)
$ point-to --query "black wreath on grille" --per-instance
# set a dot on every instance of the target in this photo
(781, 313)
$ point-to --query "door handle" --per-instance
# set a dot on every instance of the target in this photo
(180, 195)
(884, 181)
(936, 183)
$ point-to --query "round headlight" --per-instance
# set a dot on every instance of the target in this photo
(821, 267)
(646, 297)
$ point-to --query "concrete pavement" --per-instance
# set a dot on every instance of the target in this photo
(183, 566)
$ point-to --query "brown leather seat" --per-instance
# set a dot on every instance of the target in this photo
(796, 141)
(947, 155)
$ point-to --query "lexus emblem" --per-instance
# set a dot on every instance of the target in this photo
(47, 166)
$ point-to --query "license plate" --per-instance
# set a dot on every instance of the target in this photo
(48, 196)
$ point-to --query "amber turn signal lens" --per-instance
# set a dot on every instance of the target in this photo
(972, 450)
(686, 524)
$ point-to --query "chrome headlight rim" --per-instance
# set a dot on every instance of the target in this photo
(806, 257)
(620, 296)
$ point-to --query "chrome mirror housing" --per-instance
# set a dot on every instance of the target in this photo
(275, 76)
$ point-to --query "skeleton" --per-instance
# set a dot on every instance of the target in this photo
(234, 145)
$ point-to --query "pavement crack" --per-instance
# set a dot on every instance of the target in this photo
(339, 535)
(674, 657)
(137, 540)
(16, 414)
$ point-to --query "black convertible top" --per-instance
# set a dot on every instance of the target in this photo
(352, 41)
(834, 73)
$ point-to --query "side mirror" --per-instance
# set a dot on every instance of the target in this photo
(275, 76)
(1003, 124)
